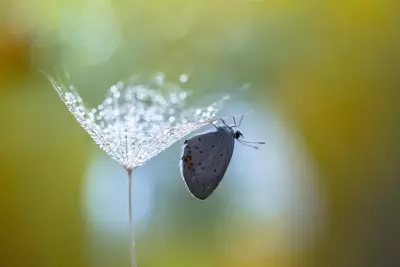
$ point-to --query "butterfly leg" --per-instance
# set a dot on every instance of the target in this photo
(213, 125)
(224, 122)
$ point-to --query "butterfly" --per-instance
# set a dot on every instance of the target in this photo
(206, 157)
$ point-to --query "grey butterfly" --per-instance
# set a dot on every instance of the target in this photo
(206, 157)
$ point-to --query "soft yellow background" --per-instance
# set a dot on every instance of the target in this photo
(329, 69)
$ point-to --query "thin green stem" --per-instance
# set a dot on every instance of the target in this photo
(132, 236)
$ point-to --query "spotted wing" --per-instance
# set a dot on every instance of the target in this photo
(205, 160)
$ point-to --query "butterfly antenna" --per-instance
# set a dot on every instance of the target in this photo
(245, 144)
(253, 142)
(234, 121)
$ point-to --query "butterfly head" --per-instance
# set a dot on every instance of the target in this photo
(238, 134)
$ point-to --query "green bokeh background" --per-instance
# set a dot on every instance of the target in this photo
(326, 70)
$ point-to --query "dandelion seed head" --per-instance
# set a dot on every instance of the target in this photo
(135, 122)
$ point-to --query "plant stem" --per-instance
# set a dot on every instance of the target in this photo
(132, 236)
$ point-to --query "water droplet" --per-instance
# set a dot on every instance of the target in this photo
(182, 95)
(183, 78)
(160, 77)
(114, 89)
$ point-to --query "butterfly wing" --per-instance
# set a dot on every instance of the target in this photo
(205, 160)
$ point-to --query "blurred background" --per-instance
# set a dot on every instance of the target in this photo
(323, 191)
